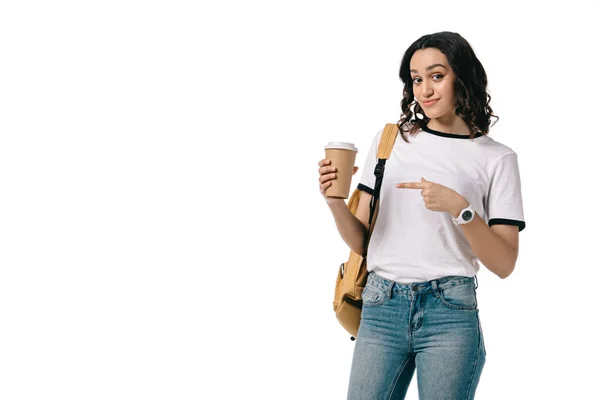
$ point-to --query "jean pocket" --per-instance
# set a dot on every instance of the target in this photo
(460, 297)
(372, 296)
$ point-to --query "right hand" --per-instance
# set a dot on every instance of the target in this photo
(327, 173)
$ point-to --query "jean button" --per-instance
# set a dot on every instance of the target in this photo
(415, 288)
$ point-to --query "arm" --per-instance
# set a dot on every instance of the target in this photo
(352, 228)
(497, 247)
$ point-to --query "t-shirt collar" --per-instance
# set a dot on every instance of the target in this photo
(449, 135)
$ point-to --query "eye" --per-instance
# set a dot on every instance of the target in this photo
(416, 80)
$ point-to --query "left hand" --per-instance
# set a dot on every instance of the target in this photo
(438, 197)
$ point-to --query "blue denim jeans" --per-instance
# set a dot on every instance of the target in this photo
(432, 327)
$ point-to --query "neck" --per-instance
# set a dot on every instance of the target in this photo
(449, 124)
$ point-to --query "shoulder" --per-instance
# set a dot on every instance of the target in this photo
(376, 139)
(493, 151)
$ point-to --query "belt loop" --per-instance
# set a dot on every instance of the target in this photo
(476, 282)
(434, 285)
(390, 289)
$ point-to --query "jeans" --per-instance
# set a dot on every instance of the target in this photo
(432, 327)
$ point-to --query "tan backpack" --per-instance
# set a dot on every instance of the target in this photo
(352, 274)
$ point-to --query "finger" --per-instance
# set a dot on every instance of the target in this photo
(324, 162)
(410, 185)
(355, 169)
(325, 178)
(325, 186)
(325, 170)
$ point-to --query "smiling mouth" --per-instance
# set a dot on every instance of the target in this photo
(430, 102)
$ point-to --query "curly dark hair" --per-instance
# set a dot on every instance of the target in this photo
(470, 85)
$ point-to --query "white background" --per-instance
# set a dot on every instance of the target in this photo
(162, 235)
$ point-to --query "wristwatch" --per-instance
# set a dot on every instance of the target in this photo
(465, 216)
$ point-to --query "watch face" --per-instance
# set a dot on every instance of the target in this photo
(467, 215)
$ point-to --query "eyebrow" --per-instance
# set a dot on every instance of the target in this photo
(432, 66)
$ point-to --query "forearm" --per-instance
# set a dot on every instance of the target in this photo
(350, 228)
(491, 249)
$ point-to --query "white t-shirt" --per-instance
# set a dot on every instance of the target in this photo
(411, 243)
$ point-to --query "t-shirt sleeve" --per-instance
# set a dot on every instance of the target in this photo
(367, 180)
(504, 203)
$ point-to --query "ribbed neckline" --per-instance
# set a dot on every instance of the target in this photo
(449, 135)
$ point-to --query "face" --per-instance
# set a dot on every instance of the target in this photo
(432, 79)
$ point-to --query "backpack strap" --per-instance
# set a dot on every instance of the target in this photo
(386, 144)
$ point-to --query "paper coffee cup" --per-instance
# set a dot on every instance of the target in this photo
(342, 156)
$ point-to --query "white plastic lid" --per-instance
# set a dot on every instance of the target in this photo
(341, 145)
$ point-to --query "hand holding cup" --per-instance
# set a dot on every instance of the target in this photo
(327, 175)
(340, 156)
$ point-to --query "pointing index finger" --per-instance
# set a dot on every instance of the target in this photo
(410, 185)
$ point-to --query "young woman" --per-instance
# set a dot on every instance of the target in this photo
(450, 198)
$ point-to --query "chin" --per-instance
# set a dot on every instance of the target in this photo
(435, 114)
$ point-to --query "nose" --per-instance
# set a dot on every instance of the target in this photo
(426, 89)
